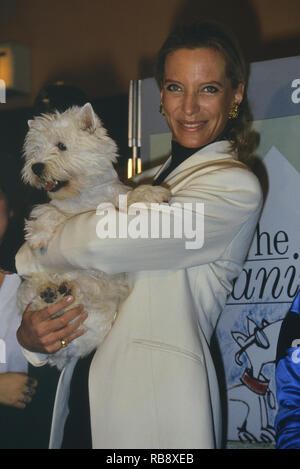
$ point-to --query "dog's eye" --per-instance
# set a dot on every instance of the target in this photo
(61, 146)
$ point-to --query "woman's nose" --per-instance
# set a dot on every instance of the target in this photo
(190, 104)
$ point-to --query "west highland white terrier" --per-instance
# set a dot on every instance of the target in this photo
(71, 156)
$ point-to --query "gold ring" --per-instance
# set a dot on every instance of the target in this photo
(63, 343)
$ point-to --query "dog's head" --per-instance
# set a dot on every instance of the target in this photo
(64, 152)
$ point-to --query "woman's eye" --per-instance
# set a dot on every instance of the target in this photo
(173, 87)
(61, 146)
(210, 89)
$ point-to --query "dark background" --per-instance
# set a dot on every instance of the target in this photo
(99, 45)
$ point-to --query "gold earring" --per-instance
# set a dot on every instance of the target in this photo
(234, 112)
(161, 109)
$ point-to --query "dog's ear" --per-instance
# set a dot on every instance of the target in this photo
(87, 118)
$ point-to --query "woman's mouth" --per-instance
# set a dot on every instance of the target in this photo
(192, 126)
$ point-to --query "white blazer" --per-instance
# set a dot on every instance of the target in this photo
(152, 383)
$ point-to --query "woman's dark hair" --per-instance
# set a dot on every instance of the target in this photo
(12, 190)
(212, 35)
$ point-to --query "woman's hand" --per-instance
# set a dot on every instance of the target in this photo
(16, 389)
(40, 332)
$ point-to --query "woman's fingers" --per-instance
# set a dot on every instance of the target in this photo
(17, 389)
(68, 332)
(67, 317)
(58, 344)
(46, 327)
(28, 390)
(31, 382)
(30, 387)
(39, 330)
(47, 313)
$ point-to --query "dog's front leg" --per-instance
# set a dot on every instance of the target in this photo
(147, 193)
(42, 224)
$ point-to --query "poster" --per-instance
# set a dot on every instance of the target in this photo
(249, 326)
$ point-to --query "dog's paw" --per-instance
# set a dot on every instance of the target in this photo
(36, 236)
(36, 243)
(41, 226)
(50, 293)
(65, 288)
(147, 193)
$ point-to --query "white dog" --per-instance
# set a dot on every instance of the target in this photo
(71, 156)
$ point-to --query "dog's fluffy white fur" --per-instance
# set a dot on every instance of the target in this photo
(71, 156)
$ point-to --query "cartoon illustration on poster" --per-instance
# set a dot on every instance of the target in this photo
(249, 327)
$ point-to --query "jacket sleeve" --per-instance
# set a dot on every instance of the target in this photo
(36, 359)
(231, 198)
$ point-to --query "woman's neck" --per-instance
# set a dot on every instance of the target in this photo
(179, 151)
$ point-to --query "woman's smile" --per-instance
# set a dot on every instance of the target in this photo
(192, 126)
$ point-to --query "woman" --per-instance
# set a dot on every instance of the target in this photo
(16, 387)
(152, 383)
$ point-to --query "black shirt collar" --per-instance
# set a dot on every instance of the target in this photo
(178, 155)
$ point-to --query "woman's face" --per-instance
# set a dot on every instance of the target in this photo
(4, 217)
(197, 96)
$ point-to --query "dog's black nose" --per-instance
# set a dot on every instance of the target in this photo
(38, 168)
